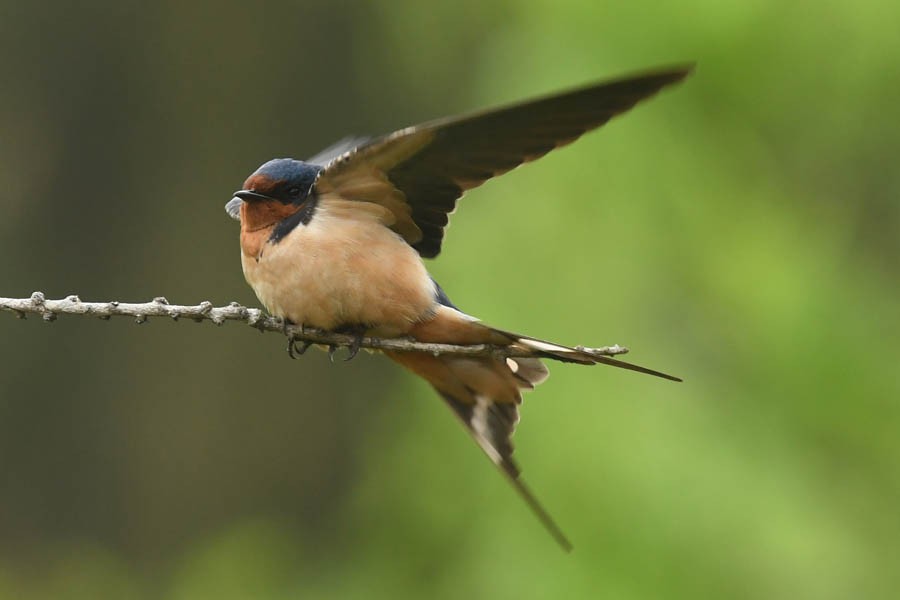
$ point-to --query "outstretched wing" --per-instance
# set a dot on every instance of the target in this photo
(338, 148)
(419, 172)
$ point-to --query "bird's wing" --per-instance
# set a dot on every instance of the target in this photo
(419, 172)
(338, 148)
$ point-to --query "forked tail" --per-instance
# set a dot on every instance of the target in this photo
(485, 392)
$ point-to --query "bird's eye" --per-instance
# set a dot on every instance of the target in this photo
(294, 192)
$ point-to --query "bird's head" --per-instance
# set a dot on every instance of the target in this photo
(282, 181)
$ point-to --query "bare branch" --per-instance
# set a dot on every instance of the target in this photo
(48, 310)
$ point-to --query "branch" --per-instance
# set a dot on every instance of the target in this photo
(37, 304)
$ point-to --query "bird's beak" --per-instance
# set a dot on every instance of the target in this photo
(233, 208)
(250, 195)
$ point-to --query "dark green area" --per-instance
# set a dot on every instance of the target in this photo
(741, 230)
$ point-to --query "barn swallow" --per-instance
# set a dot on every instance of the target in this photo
(336, 242)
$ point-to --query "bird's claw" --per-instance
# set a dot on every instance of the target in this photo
(297, 347)
(353, 348)
(357, 332)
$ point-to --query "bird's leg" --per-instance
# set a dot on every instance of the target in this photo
(358, 332)
(295, 347)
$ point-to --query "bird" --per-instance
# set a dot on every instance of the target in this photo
(337, 242)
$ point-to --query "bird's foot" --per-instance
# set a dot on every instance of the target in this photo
(358, 332)
(295, 347)
(353, 348)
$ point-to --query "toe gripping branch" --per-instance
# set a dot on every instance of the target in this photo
(297, 346)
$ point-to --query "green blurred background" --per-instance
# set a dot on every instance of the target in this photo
(740, 230)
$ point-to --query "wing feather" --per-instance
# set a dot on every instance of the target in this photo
(434, 163)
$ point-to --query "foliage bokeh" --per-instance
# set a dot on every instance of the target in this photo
(741, 231)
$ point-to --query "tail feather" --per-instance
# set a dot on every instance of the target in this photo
(528, 371)
(491, 425)
(574, 355)
(485, 391)
(621, 364)
(485, 394)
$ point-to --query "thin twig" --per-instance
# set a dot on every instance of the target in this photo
(48, 310)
